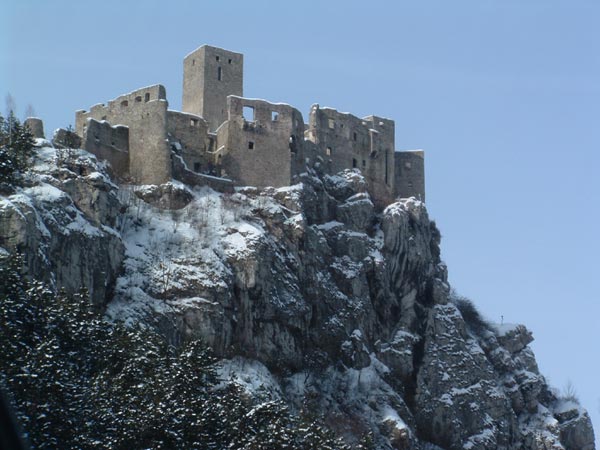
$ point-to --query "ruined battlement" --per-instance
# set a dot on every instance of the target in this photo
(221, 138)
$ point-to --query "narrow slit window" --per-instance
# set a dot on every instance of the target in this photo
(219, 73)
(364, 163)
(248, 113)
(354, 136)
(354, 163)
(250, 145)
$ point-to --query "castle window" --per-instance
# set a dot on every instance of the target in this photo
(219, 73)
(124, 103)
(193, 122)
(331, 123)
(364, 163)
(354, 136)
(197, 167)
(386, 167)
(147, 97)
(250, 145)
(407, 165)
(354, 163)
(248, 113)
(274, 116)
(138, 98)
(328, 151)
(193, 62)
(229, 60)
(218, 58)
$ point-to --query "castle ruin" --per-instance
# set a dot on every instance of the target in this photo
(222, 139)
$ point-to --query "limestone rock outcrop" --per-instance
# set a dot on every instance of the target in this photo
(308, 291)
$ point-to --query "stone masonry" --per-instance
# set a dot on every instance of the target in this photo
(222, 139)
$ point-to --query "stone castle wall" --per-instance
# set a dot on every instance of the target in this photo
(259, 142)
(144, 111)
(196, 143)
(346, 141)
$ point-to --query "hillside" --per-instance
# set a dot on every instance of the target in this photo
(306, 293)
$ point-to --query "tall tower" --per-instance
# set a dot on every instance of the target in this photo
(210, 74)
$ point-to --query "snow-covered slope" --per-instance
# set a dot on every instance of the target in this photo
(306, 293)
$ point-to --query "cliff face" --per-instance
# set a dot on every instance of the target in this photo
(303, 291)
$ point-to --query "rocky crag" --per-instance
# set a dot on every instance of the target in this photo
(306, 292)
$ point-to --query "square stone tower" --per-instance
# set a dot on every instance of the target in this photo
(210, 74)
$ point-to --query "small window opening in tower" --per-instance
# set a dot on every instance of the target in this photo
(193, 122)
(354, 163)
(138, 98)
(193, 62)
(364, 163)
(229, 60)
(218, 58)
(219, 73)
(250, 145)
(354, 136)
(197, 167)
(147, 97)
(328, 151)
(331, 123)
(248, 113)
(274, 116)
(124, 103)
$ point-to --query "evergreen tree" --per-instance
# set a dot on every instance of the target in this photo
(16, 149)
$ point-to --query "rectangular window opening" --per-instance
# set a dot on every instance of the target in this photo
(197, 167)
(217, 58)
(328, 151)
(354, 136)
(250, 145)
(138, 98)
(274, 116)
(248, 113)
(193, 122)
(364, 163)
(219, 73)
(331, 123)
(229, 60)
(147, 97)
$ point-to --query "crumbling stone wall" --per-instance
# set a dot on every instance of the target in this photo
(194, 141)
(210, 74)
(109, 143)
(346, 141)
(409, 174)
(258, 150)
(144, 111)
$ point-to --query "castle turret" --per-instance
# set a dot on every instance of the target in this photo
(210, 74)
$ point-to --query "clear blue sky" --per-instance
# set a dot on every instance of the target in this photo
(503, 95)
